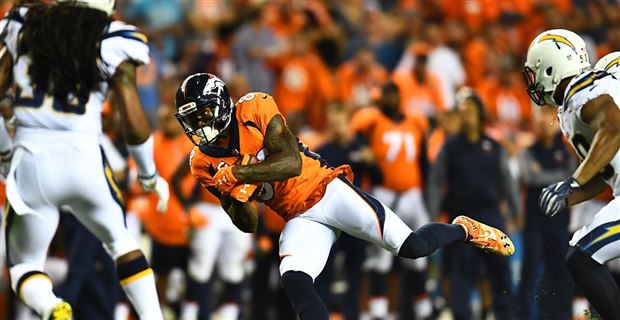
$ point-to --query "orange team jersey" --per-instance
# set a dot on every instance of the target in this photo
(169, 227)
(395, 145)
(252, 114)
(417, 97)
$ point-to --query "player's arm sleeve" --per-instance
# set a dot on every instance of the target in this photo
(509, 184)
(536, 176)
(123, 43)
(436, 182)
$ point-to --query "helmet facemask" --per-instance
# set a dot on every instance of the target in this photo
(203, 125)
(535, 90)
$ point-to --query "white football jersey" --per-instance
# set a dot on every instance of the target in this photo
(580, 90)
(37, 110)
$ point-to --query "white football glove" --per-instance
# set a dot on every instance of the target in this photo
(158, 185)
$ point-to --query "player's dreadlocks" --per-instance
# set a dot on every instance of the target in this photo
(63, 42)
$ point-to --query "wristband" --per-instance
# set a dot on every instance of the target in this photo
(142, 154)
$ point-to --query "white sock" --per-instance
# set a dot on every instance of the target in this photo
(378, 307)
(140, 289)
(189, 311)
(36, 292)
(229, 311)
(423, 308)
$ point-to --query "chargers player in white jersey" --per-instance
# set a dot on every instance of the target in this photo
(558, 74)
(61, 60)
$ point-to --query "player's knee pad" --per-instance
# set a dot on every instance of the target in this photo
(21, 272)
(121, 246)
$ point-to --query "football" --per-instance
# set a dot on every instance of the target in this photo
(246, 191)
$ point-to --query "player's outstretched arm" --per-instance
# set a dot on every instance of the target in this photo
(242, 214)
(603, 116)
(135, 124)
(284, 160)
(138, 132)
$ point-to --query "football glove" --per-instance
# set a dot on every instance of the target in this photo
(225, 180)
(554, 198)
(159, 186)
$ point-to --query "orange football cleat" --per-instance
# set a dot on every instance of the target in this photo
(485, 237)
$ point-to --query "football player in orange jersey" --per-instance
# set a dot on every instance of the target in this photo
(396, 142)
(318, 202)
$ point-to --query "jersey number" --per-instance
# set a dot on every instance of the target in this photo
(397, 141)
(582, 147)
(38, 98)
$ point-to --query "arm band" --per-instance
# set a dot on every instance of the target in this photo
(142, 154)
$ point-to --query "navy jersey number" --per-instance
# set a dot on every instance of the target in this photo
(582, 147)
(36, 101)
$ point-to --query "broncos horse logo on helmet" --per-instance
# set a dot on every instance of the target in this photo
(204, 108)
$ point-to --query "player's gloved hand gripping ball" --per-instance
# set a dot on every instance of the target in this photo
(227, 183)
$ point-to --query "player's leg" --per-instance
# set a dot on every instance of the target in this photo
(413, 212)
(592, 246)
(357, 213)
(205, 245)
(99, 209)
(27, 240)
(304, 248)
(233, 253)
(379, 263)
(28, 236)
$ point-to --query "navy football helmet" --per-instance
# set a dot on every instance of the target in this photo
(204, 108)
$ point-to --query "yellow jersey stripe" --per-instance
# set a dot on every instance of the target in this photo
(584, 83)
(136, 276)
(110, 177)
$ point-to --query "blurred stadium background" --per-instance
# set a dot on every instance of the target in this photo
(320, 58)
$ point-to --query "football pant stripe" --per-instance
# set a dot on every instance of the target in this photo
(600, 237)
(109, 176)
(373, 203)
